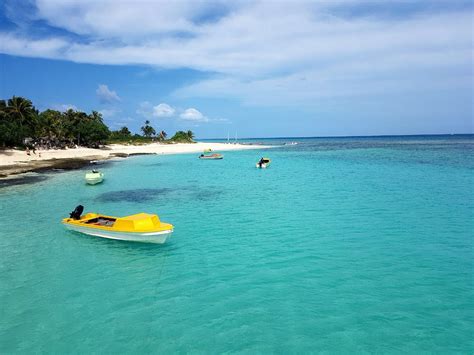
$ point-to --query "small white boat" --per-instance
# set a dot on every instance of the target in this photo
(215, 156)
(94, 177)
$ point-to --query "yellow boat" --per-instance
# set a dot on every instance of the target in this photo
(140, 227)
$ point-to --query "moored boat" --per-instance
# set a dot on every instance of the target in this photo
(263, 163)
(94, 177)
(211, 156)
(140, 227)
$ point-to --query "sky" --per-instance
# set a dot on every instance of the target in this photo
(246, 68)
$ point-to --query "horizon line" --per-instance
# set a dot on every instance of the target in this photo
(356, 136)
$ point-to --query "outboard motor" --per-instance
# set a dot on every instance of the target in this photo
(76, 214)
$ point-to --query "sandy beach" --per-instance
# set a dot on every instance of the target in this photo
(14, 162)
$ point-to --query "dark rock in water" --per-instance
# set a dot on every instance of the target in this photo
(64, 164)
(138, 195)
(135, 154)
(146, 195)
(206, 194)
(153, 164)
(77, 164)
(120, 155)
(126, 155)
(22, 180)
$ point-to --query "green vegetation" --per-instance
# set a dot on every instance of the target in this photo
(183, 137)
(148, 131)
(21, 125)
(123, 133)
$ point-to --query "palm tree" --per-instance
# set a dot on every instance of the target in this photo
(19, 120)
(4, 124)
(49, 124)
(163, 135)
(74, 119)
(148, 131)
(125, 131)
(23, 111)
(190, 134)
(3, 106)
(96, 116)
(59, 124)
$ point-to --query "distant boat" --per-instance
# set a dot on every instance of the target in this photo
(141, 227)
(263, 163)
(214, 156)
(94, 177)
(291, 143)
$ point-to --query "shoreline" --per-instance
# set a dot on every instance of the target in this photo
(14, 162)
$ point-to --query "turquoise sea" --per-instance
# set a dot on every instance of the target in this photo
(343, 245)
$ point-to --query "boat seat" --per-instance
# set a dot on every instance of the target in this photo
(101, 221)
(105, 222)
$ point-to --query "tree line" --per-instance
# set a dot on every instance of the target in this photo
(22, 125)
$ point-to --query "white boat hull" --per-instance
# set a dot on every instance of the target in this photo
(94, 178)
(154, 237)
(94, 181)
(263, 166)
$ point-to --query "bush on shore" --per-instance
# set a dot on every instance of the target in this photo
(22, 125)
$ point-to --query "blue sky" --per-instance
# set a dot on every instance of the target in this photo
(258, 69)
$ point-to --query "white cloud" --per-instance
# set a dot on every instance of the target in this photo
(163, 110)
(122, 18)
(109, 112)
(309, 50)
(14, 44)
(148, 110)
(251, 40)
(191, 114)
(105, 95)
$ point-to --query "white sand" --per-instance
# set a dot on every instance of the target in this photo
(18, 157)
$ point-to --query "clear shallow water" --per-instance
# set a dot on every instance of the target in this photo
(342, 245)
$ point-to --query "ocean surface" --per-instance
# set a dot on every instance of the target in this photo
(343, 245)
